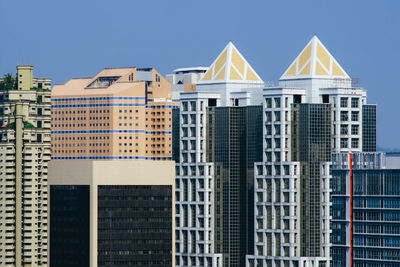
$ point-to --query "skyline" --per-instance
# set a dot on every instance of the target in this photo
(172, 35)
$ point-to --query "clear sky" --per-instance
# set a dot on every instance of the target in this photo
(65, 39)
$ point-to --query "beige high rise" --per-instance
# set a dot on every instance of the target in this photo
(24, 151)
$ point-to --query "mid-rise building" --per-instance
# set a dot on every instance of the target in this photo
(315, 111)
(219, 139)
(112, 213)
(120, 113)
(25, 152)
(365, 209)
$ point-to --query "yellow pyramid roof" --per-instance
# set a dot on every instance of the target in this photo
(314, 61)
(230, 66)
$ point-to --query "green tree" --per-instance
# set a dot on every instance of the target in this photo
(8, 83)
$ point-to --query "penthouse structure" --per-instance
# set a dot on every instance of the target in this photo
(185, 79)
(25, 152)
(315, 111)
(219, 139)
(120, 113)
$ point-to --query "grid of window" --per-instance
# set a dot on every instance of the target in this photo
(134, 225)
(369, 128)
(235, 136)
(312, 128)
(376, 225)
(69, 225)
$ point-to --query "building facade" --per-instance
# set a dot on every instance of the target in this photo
(292, 188)
(234, 144)
(25, 152)
(112, 213)
(121, 113)
(213, 185)
(365, 209)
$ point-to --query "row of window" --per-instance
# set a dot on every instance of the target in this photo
(344, 142)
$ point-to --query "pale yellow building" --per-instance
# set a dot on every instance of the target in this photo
(24, 153)
(120, 113)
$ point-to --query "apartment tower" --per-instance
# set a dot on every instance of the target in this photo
(219, 139)
(25, 152)
(313, 112)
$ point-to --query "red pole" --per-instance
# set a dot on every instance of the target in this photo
(351, 210)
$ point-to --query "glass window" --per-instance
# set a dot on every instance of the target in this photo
(277, 102)
(268, 102)
(344, 116)
(354, 102)
(343, 102)
(343, 143)
(354, 116)
(354, 129)
(354, 142)
(343, 129)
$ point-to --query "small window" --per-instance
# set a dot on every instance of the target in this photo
(343, 102)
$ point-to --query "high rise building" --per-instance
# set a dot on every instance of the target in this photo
(25, 152)
(112, 213)
(315, 111)
(219, 139)
(120, 113)
(365, 209)
(234, 144)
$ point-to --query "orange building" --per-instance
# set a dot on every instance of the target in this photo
(121, 113)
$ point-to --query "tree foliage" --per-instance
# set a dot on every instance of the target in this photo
(8, 82)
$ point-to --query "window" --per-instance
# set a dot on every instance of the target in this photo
(343, 129)
(344, 116)
(277, 102)
(277, 115)
(354, 129)
(354, 142)
(343, 102)
(268, 102)
(343, 143)
(184, 106)
(354, 116)
(354, 102)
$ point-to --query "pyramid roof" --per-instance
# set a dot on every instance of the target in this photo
(230, 67)
(314, 61)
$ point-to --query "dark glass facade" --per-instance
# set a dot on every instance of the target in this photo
(369, 128)
(134, 225)
(376, 217)
(311, 146)
(69, 225)
(175, 134)
(234, 144)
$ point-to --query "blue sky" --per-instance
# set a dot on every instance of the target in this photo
(65, 39)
